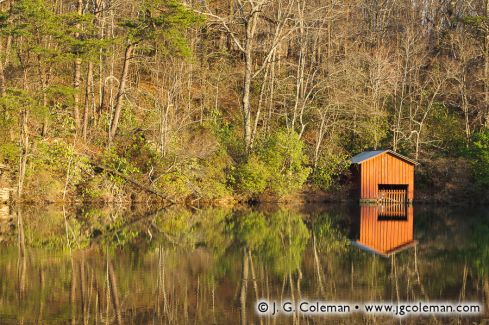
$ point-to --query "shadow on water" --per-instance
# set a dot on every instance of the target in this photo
(210, 266)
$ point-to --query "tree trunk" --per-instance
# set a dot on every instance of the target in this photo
(73, 291)
(244, 286)
(3, 85)
(486, 69)
(44, 74)
(77, 76)
(21, 259)
(114, 292)
(120, 93)
(260, 104)
(247, 89)
(76, 86)
(24, 145)
(88, 92)
(3, 91)
(46, 118)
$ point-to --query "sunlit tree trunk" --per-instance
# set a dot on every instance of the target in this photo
(250, 31)
(88, 100)
(22, 258)
(121, 92)
(244, 286)
(24, 149)
(3, 83)
(114, 293)
(74, 280)
(77, 76)
(319, 270)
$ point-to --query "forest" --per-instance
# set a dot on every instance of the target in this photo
(208, 100)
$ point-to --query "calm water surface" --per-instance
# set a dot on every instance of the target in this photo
(178, 266)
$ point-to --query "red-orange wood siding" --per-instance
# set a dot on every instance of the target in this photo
(385, 169)
(384, 236)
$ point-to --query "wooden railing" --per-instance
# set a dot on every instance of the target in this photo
(393, 210)
(387, 196)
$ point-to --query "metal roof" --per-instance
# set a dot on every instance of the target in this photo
(366, 155)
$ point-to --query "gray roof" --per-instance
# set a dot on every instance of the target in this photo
(366, 155)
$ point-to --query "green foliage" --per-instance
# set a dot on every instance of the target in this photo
(74, 33)
(329, 237)
(112, 160)
(118, 234)
(288, 241)
(283, 153)
(211, 176)
(139, 152)
(3, 20)
(329, 169)
(477, 24)
(198, 171)
(204, 179)
(97, 188)
(229, 137)
(162, 24)
(33, 20)
(251, 177)
(371, 131)
(77, 36)
(278, 166)
(480, 155)
(9, 153)
(251, 230)
(55, 168)
(32, 17)
(279, 238)
(178, 227)
(58, 93)
(55, 231)
(17, 99)
(174, 184)
(448, 129)
(480, 249)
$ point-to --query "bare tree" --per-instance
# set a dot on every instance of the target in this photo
(243, 24)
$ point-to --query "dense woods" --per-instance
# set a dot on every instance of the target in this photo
(105, 100)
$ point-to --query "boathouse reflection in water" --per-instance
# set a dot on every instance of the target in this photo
(386, 229)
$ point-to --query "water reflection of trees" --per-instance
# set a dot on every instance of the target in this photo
(210, 266)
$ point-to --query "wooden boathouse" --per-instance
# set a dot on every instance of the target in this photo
(384, 176)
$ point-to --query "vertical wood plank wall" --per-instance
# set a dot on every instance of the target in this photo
(384, 235)
(385, 169)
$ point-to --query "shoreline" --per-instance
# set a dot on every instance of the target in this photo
(233, 202)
